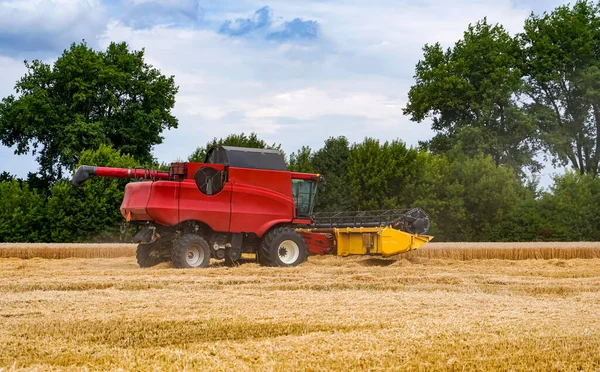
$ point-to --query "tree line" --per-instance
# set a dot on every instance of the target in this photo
(511, 97)
(496, 101)
(468, 198)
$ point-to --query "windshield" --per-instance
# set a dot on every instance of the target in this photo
(304, 197)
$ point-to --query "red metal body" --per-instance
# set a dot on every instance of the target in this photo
(237, 192)
(251, 201)
(318, 243)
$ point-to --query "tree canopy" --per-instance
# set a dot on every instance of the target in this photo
(86, 99)
(511, 96)
(300, 161)
(562, 70)
(332, 161)
(471, 94)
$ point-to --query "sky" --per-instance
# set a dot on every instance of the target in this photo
(294, 72)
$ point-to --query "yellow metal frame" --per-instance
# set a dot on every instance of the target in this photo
(384, 241)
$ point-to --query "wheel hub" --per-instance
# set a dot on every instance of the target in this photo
(194, 256)
(288, 252)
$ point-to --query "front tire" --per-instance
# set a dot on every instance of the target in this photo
(191, 251)
(282, 246)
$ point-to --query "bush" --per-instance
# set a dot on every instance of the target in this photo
(466, 197)
(90, 212)
(22, 213)
(568, 212)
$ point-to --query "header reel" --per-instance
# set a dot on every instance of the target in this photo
(411, 220)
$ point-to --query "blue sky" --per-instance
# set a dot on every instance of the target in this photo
(295, 72)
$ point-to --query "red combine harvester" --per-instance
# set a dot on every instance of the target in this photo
(244, 200)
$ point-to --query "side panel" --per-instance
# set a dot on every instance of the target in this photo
(214, 210)
(376, 241)
(135, 200)
(279, 182)
(260, 199)
(151, 201)
(163, 205)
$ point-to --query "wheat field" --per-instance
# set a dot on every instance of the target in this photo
(63, 250)
(456, 251)
(331, 313)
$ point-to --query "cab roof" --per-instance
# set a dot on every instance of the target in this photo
(245, 157)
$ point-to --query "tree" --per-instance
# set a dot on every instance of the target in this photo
(85, 99)
(467, 196)
(568, 212)
(301, 160)
(239, 140)
(22, 213)
(379, 174)
(5, 176)
(562, 51)
(89, 212)
(332, 162)
(471, 93)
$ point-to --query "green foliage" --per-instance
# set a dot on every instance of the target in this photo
(380, 173)
(22, 213)
(471, 196)
(238, 140)
(5, 176)
(332, 162)
(300, 161)
(465, 196)
(574, 204)
(90, 212)
(86, 99)
(567, 213)
(510, 96)
(562, 50)
(470, 93)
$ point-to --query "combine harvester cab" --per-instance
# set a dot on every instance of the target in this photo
(243, 200)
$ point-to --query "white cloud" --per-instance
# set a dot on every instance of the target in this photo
(147, 13)
(48, 25)
(353, 81)
(10, 72)
(181, 4)
(310, 103)
(358, 73)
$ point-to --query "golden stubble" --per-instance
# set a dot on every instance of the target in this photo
(331, 313)
(454, 250)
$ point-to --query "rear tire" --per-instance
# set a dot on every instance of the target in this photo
(191, 251)
(282, 246)
(149, 255)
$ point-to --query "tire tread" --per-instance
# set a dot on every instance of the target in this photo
(180, 246)
(268, 255)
